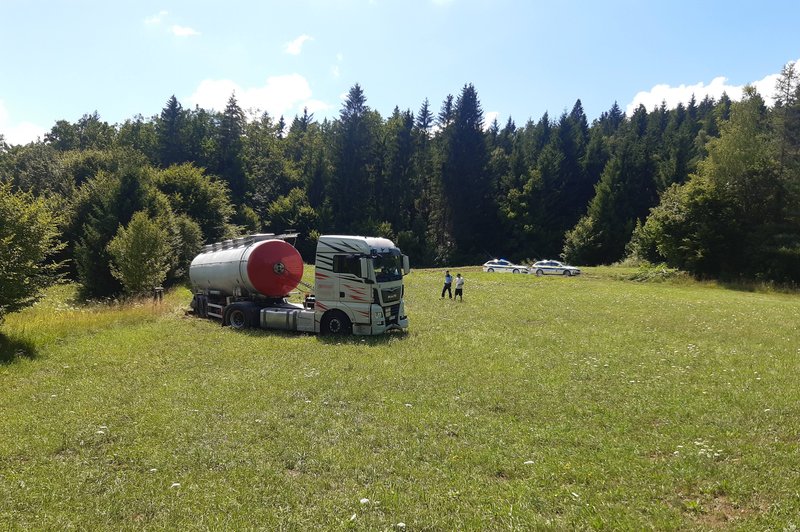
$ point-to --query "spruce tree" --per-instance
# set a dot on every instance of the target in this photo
(229, 149)
(467, 188)
(170, 131)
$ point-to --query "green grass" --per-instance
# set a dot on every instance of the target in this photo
(590, 402)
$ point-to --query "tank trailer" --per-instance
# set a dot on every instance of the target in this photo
(358, 284)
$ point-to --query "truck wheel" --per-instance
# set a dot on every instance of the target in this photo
(336, 322)
(237, 319)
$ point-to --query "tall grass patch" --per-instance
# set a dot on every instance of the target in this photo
(537, 402)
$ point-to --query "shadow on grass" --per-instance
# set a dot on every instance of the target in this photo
(762, 287)
(379, 339)
(331, 339)
(11, 349)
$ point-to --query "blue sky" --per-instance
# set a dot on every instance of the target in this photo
(64, 58)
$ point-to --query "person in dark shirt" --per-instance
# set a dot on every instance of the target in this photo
(448, 281)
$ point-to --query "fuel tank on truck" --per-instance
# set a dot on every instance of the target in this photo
(272, 268)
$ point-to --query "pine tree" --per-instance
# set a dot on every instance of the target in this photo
(466, 185)
(229, 149)
(445, 116)
(350, 186)
(170, 134)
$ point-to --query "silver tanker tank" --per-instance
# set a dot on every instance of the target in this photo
(250, 265)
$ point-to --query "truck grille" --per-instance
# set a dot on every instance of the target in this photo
(392, 314)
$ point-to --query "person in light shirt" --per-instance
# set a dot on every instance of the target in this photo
(459, 287)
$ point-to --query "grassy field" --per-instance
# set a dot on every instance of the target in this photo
(590, 402)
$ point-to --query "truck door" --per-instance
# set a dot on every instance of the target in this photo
(353, 293)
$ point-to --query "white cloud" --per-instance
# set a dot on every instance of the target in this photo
(183, 31)
(176, 29)
(21, 133)
(335, 70)
(683, 93)
(156, 19)
(296, 46)
(488, 118)
(316, 106)
(281, 95)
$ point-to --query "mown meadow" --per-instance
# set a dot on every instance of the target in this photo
(589, 402)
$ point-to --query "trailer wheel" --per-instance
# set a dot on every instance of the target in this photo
(200, 306)
(336, 322)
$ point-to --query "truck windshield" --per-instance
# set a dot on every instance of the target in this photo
(388, 267)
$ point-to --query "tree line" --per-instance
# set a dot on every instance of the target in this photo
(711, 187)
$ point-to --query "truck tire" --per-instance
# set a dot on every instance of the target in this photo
(240, 316)
(336, 322)
(237, 319)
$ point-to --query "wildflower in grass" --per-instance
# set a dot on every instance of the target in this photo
(528, 462)
(175, 485)
(364, 501)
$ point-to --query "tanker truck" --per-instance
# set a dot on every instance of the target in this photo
(246, 282)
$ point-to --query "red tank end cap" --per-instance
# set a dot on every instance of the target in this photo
(274, 268)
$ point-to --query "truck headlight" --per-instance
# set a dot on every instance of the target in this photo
(377, 314)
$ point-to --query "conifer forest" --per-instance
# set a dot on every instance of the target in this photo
(711, 187)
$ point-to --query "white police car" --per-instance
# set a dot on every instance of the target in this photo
(553, 267)
(502, 265)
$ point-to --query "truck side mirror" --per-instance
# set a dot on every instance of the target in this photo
(406, 265)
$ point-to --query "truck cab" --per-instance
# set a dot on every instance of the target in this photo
(359, 285)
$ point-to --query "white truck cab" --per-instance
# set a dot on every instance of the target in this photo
(361, 278)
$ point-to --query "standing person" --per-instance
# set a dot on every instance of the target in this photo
(448, 280)
(459, 287)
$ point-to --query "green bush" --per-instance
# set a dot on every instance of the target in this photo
(140, 254)
(28, 236)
